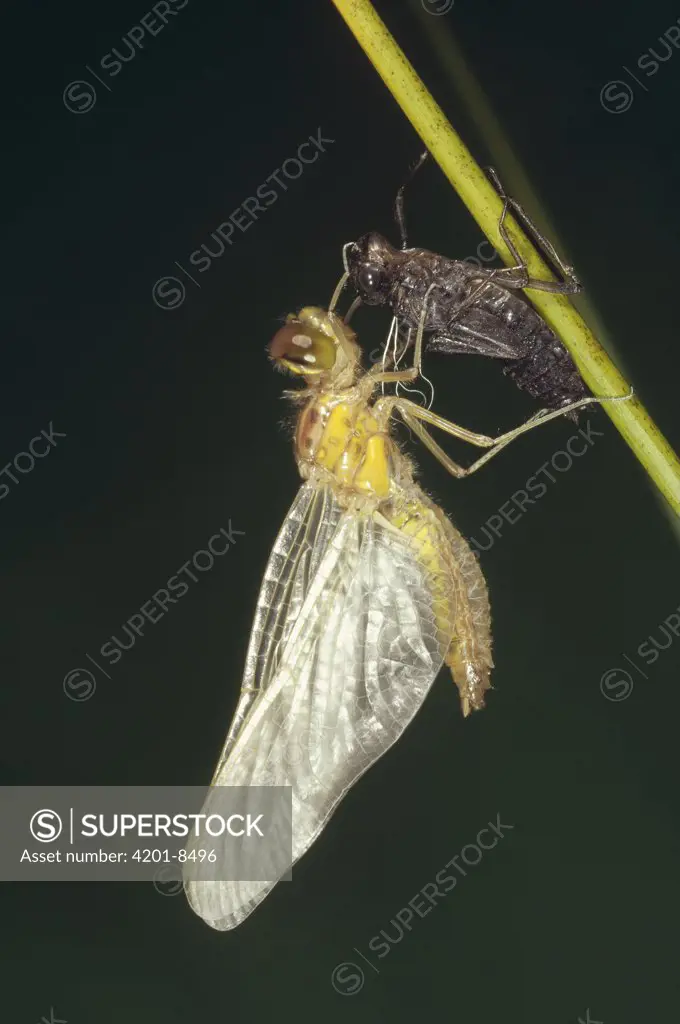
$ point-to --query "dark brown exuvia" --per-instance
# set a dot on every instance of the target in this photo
(470, 310)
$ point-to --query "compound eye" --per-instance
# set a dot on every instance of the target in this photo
(370, 278)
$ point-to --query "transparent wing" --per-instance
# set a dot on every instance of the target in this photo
(359, 637)
(294, 559)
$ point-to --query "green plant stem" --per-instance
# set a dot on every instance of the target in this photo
(599, 372)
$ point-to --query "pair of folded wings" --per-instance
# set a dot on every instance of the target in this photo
(344, 648)
(495, 326)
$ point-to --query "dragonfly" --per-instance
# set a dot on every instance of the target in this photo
(369, 590)
(473, 310)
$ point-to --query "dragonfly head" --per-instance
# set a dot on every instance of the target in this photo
(369, 262)
(314, 343)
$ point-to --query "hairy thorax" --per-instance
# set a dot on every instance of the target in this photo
(339, 436)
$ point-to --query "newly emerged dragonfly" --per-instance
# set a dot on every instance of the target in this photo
(368, 591)
(473, 310)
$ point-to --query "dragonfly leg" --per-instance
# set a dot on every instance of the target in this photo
(544, 415)
(414, 416)
(570, 283)
(433, 446)
(412, 420)
(339, 288)
(404, 406)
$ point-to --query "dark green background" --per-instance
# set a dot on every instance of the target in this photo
(174, 426)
